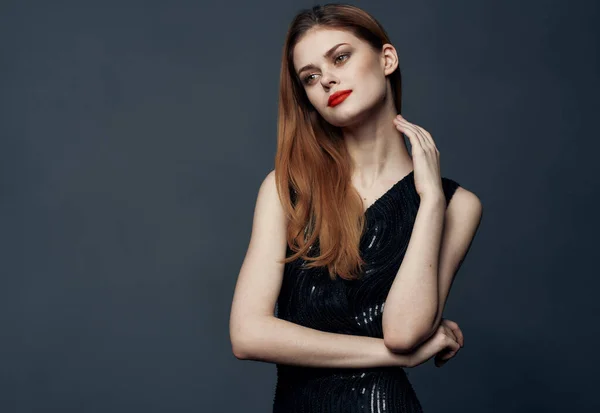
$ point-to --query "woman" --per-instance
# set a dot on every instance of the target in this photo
(347, 224)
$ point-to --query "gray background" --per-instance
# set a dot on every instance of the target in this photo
(134, 137)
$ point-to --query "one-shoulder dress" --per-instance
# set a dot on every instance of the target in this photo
(310, 298)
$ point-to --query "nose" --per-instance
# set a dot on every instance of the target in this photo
(329, 79)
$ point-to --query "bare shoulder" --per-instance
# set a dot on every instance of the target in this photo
(463, 216)
(462, 219)
(261, 274)
(268, 190)
(465, 203)
(269, 224)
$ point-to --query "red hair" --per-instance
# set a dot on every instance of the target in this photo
(312, 165)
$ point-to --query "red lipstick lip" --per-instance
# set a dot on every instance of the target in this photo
(337, 95)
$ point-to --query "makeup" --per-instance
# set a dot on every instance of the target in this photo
(338, 97)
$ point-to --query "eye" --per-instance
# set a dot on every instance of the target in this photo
(307, 79)
(342, 55)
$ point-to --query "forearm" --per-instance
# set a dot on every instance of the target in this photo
(274, 340)
(411, 306)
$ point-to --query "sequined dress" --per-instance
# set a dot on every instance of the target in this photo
(310, 298)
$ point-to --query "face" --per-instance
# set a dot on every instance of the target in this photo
(327, 61)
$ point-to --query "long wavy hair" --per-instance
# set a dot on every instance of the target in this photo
(312, 165)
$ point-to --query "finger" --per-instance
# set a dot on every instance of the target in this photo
(415, 139)
(441, 359)
(400, 120)
(449, 351)
(452, 347)
(419, 130)
(409, 126)
(459, 336)
(427, 137)
(455, 329)
(426, 142)
(451, 354)
(449, 322)
(449, 331)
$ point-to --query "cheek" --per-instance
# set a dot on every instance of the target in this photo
(371, 90)
(368, 81)
(375, 79)
(314, 98)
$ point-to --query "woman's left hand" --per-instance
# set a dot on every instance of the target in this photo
(426, 159)
(453, 330)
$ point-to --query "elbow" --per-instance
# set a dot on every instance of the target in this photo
(240, 340)
(244, 334)
(408, 339)
(404, 343)
(239, 349)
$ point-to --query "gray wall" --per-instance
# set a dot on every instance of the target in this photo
(134, 137)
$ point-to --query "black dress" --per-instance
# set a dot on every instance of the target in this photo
(310, 298)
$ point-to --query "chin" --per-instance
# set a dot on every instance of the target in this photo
(344, 117)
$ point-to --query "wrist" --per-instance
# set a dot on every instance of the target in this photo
(433, 200)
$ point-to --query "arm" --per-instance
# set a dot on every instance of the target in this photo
(462, 221)
(256, 334)
(270, 339)
(462, 218)
(412, 303)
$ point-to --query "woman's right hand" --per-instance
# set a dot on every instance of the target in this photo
(444, 344)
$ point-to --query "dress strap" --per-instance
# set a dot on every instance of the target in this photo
(449, 186)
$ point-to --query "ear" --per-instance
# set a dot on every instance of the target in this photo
(389, 58)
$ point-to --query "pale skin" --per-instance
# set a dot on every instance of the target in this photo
(414, 330)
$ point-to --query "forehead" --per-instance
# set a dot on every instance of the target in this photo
(312, 46)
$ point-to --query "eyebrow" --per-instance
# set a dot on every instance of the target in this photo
(326, 55)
